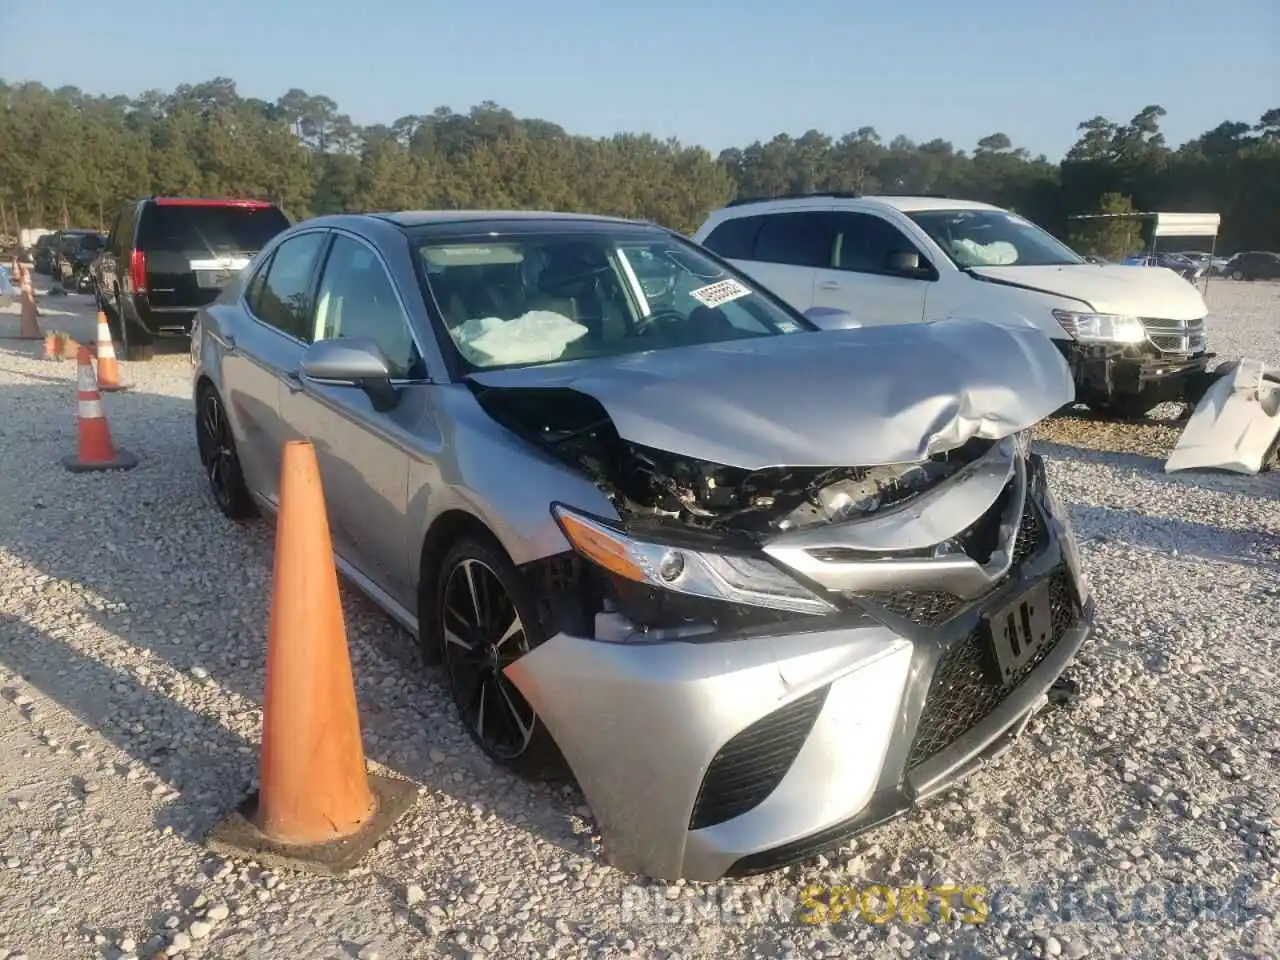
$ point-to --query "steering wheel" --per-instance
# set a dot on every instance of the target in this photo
(666, 314)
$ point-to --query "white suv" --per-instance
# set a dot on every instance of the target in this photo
(1133, 337)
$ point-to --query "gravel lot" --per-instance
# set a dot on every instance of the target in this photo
(133, 631)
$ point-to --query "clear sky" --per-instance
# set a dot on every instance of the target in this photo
(713, 72)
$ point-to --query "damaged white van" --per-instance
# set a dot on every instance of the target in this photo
(1134, 337)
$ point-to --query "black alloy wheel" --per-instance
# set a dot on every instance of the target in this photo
(218, 455)
(484, 622)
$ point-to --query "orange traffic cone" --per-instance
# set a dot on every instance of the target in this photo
(52, 346)
(96, 451)
(317, 807)
(108, 369)
(70, 348)
(28, 324)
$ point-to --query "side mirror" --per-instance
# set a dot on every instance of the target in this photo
(354, 362)
(831, 318)
(904, 262)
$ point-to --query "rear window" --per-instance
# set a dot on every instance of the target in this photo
(229, 229)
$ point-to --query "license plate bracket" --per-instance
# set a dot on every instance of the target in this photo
(1017, 632)
(214, 279)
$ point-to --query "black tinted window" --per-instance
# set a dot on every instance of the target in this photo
(797, 239)
(209, 229)
(284, 299)
(734, 239)
(865, 242)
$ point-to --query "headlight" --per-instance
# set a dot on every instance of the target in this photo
(731, 578)
(1101, 327)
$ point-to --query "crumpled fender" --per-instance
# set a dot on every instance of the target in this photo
(1236, 424)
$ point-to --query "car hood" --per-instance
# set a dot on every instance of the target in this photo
(1110, 288)
(860, 397)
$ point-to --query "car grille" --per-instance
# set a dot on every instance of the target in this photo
(932, 607)
(751, 765)
(962, 692)
(1180, 337)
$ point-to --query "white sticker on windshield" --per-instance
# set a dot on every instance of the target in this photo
(714, 294)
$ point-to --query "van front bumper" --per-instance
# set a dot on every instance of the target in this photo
(720, 756)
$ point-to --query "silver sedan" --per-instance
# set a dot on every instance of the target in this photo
(757, 587)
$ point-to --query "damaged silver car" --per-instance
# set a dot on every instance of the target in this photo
(755, 586)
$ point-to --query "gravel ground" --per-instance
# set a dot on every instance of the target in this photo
(133, 631)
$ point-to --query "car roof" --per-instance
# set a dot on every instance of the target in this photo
(421, 218)
(918, 204)
(904, 204)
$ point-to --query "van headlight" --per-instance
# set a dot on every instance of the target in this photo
(735, 578)
(1101, 327)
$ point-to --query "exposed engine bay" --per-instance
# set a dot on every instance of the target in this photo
(645, 484)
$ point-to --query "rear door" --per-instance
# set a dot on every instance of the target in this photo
(193, 248)
(266, 349)
(787, 251)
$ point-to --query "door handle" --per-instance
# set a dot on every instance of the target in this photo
(229, 343)
(292, 381)
(829, 285)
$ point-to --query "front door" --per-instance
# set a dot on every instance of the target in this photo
(858, 279)
(364, 454)
(265, 349)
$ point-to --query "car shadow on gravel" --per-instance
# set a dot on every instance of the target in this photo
(139, 718)
(1264, 486)
(1251, 548)
(192, 589)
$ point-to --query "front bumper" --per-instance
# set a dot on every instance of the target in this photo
(1107, 373)
(741, 754)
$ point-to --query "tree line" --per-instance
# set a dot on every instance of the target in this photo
(67, 157)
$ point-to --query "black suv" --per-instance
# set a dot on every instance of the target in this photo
(73, 252)
(1253, 265)
(166, 257)
(42, 252)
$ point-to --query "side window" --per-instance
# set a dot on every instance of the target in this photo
(865, 242)
(734, 239)
(357, 299)
(797, 239)
(253, 292)
(284, 300)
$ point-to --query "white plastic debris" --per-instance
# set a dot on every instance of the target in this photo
(538, 336)
(1236, 424)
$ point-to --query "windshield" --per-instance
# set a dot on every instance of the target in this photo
(993, 238)
(519, 301)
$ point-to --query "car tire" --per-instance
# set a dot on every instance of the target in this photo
(1237, 274)
(478, 599)
(218, 456)
(134, 344)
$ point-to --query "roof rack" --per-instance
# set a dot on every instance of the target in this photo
(833, 194)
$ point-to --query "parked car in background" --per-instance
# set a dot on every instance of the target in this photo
(1133, 338)
(73, 253)
(1253, 265)
(42, 253)
(758, 587)
(166, 257)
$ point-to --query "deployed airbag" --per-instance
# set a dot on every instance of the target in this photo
(538, 336)
(1235, 425)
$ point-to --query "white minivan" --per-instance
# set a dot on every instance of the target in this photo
(1133, 336)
